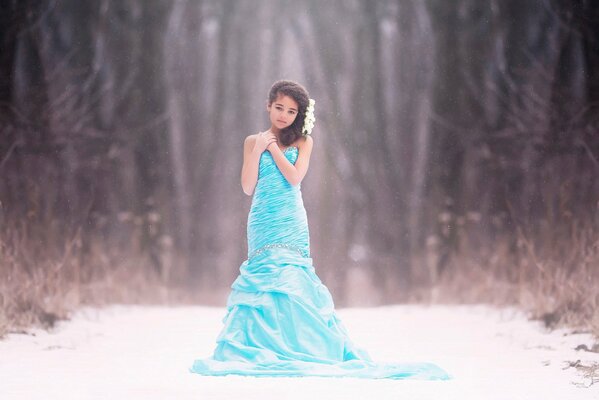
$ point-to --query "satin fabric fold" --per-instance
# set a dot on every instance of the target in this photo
(280, 318)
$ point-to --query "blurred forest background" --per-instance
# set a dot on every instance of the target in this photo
(456, 152)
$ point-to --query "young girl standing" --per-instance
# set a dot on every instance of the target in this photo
(280, 318)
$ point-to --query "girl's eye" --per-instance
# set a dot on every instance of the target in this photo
(291, 112)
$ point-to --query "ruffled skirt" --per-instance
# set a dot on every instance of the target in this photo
(281, 321)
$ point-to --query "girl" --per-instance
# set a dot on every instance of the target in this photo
(280, 318)
(286, 101)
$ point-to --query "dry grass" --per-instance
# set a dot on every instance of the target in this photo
(43, 282)
(555, 279)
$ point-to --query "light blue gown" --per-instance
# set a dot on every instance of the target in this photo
(280, 318)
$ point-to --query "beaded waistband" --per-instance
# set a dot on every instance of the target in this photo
(301, 251)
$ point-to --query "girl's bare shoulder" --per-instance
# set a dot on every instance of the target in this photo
(250, 140)
(305, 141)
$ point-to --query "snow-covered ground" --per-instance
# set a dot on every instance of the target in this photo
(127, 352)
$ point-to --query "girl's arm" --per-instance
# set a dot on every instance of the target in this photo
(293, 173)
(249, 170)
(253, 147)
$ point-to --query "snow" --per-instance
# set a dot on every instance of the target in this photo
(136, 352)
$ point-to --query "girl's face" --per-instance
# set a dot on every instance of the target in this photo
(282, 111)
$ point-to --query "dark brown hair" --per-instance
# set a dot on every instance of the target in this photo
(298, 93)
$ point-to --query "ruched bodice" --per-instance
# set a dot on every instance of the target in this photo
(277, 215)
(281, 319)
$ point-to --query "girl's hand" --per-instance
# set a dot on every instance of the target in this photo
(271, 146)
(264, 140)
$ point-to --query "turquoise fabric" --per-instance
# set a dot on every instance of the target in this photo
(280, 318)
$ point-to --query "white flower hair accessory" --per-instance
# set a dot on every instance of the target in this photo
(309, 119)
